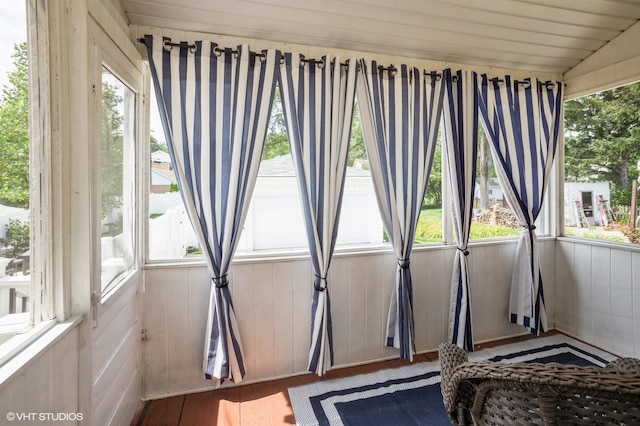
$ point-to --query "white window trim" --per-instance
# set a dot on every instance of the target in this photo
(103, 53)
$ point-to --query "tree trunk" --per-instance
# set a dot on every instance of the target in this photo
(623, 174)
(484, 161)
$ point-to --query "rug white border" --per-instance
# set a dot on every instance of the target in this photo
(300, 395)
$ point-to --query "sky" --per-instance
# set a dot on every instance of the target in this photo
(13, 22)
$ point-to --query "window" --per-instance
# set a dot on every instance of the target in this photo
(117, 181)
(429, 227)
(492, 216)
(274, 220)
(15, 227)
(602, 164)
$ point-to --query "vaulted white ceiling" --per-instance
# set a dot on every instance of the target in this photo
(535, 35)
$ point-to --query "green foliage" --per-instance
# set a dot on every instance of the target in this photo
(433, 194)
(193, 251)
(17, 233)
(486, 230)
(157, 145)
(357, 148)
(429, 227)
(277, 141)
(112, 149)
(602, 139)
(173, 187)
(14, 132)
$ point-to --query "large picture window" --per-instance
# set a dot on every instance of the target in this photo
(602, 162)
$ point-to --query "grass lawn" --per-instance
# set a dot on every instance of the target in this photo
(429, 229)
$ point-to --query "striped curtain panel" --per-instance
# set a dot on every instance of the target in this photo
(461, 152)
(400, 111)
(214, 105)
(522, 120)
(317, 99)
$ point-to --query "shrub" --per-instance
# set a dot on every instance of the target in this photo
(17, 236)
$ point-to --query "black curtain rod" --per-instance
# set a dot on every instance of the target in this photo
(192, 47)
(549, 84)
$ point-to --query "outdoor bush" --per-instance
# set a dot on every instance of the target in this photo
(17, 233)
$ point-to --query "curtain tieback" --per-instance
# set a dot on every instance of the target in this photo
(529, 227)
(404, 263)
(317, 286)
(221, 282)
(464, 251)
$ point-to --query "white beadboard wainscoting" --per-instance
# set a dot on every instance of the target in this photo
(272, 300)
(116, 372)
(598, 294)
(44, 378)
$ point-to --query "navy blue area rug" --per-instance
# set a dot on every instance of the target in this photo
(411, 395)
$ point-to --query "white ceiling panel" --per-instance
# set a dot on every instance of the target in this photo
(534, 35)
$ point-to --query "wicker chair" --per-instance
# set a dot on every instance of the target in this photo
(491, 393)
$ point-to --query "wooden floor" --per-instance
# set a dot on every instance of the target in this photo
(259, 404)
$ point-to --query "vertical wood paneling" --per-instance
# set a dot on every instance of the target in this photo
(198, 288)
(375, 298)
(435, 303)
(48, 384)
(302, 281)
(272, 300)
(177, 302)
(605, 296)
(357, 309)
(283, 313)
(116, 355)
(243, 282)
(263, 323)
(155, 348)
(339, 293)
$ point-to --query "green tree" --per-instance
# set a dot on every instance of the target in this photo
(17, 237)
(157, 145)
(277, 141)
(14, 132)
(433, 194)
(357, 149)
(112, 149)
(602, 140)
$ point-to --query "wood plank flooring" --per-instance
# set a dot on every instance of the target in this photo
(258, 404)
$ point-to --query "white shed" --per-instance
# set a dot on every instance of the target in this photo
(585, 195)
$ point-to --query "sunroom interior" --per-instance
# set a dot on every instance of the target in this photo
(100, 351)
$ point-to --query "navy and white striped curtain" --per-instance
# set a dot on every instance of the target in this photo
(317, 99)
(522, 120)
(461, 152)
(400, 111)
(215, 105)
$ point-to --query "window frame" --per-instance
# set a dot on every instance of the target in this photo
(46, 296)
(104, 54)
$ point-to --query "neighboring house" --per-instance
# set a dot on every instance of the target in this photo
(274, 220)
(495, 193)
(162, 174)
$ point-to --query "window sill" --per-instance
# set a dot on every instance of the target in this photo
(601, 243)
(342, 251)
(24, 349)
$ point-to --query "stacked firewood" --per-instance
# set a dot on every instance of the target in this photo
(497, 215)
